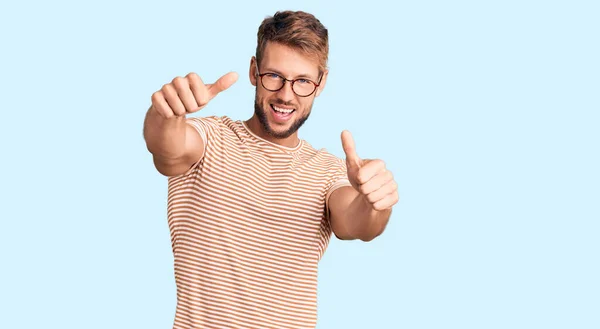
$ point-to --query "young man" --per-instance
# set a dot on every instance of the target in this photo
(251, 207)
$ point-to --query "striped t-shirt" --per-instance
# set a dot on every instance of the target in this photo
(248, 227)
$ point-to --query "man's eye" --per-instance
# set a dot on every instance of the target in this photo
(272, 76)
(303, 81)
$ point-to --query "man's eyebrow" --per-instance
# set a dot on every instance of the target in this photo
(301, 76)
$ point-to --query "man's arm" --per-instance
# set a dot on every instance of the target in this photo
(352, 216)
(174, 144)
(362, 210)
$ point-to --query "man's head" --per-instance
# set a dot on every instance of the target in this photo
(292, 46)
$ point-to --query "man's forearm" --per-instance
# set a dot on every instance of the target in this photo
(164, 138)
(362, 221)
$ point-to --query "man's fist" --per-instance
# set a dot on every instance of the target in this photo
(188, 94)
(369, 177)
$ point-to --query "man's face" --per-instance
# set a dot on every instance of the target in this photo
(273, 107)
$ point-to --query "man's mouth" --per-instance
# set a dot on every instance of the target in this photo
(282, 114)
(282, 110)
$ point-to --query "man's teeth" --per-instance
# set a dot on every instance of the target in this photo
(278, 109)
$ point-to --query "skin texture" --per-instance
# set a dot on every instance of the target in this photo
(361, 211)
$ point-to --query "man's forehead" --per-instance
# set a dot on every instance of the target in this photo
(289, 61)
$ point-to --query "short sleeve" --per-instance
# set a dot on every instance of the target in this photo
(207, 128)
(339, 179)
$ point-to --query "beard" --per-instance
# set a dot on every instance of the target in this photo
(261, 113)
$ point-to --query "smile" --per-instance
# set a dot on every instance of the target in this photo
(282, 110)
(281, 114)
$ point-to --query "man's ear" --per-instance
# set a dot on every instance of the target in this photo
(252, 71)
(322, 84)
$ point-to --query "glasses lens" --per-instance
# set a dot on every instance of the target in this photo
(303, 87)
(272, 81)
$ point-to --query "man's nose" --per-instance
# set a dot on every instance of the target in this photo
(286, 93)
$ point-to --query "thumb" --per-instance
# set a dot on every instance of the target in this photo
(348, 145)
(223, 83)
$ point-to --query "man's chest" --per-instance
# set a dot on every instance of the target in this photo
(280, 191)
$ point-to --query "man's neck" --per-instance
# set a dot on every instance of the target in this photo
(256, 127)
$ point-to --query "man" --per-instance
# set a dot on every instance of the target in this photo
(251, 207)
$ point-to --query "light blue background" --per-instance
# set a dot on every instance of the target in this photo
(486, 112)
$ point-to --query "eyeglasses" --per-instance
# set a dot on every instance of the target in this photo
(301, 87)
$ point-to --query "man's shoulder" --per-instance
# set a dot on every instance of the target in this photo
(324, 158)
(214, 122)
(211, 119)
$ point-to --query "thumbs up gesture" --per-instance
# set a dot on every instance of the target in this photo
(188, 94)
(369, 177)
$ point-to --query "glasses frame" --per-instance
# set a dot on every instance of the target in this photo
(285, 80)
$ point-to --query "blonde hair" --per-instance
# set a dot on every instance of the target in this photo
(295, 29)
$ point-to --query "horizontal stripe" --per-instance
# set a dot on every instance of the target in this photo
(248, 227)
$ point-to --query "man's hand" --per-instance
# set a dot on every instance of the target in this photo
(369, 177)
(188, 94)
(174, 144)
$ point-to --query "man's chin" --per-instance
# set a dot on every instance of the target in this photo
(275, 129)
(279, 131)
